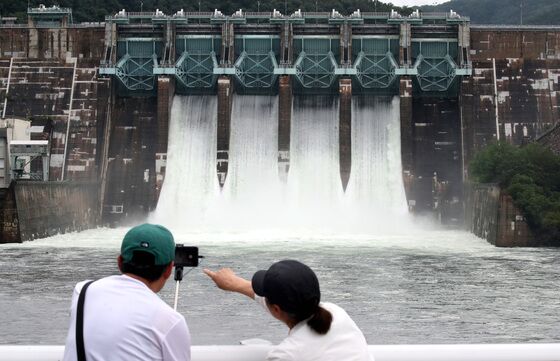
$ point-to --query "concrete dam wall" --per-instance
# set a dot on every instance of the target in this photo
(108, 90)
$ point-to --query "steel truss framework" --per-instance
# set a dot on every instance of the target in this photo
(256, 63)
(256, 70)
(135, 68)
(197, 59)
(315, 66)
(196, 70)
(316, 70)
(436, 69)
(375, 65)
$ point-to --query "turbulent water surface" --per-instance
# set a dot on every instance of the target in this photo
(426, 287)
(402, 280)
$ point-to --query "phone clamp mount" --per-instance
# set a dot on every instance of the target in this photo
(185, 256)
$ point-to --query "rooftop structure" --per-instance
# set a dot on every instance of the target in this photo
(53, 16)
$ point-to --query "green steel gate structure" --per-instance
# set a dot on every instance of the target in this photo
(257, 58)
(197, 56)
(137, 58)
(316, 62)
(373, 58)
(376, 61)
(435, 63)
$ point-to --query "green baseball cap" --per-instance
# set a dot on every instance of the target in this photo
(150, 238)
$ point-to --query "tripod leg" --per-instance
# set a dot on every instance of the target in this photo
(176, 295)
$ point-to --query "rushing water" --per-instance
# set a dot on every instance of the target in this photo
(312, 200)
(426, 287)
(402, 280)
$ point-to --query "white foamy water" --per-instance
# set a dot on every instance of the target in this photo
(191, 183)
(253, 199)
(376, 178)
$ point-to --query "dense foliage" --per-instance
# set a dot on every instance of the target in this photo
(96, 10)
(531, 175)
(543, 12)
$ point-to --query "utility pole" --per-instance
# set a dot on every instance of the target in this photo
(285, 7)
(521, 17)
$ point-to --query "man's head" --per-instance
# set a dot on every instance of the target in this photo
(291, 285)
(147, 251)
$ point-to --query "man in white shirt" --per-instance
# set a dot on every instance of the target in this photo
(123, 317)
(289, 290)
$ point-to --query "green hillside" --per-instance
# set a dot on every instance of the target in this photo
(529, 12)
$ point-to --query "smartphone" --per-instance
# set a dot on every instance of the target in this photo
(186, 256)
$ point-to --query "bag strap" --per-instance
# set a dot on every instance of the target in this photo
(80, 323)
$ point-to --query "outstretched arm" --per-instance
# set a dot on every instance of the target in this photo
(227, 280)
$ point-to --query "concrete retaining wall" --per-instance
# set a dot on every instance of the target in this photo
(48, 208)
(9, 224)
(491, 214)
(481, 210)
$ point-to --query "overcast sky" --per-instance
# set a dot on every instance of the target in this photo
(414, 2)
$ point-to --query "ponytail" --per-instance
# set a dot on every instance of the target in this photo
(321, 321)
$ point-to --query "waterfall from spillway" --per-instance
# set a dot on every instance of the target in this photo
(376, 177)
(254, 198)
(191, 183)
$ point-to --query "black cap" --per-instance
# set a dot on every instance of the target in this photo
(291, 285)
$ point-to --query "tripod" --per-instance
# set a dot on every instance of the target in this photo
(178, 279)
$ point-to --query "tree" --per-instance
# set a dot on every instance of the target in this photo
(531, 175)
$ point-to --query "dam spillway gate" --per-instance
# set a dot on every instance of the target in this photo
(301, 53)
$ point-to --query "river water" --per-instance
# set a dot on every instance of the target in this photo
(422, 287)
(402, 280)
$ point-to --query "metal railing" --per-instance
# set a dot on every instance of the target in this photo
(515, 27)
(474, 352)
(265, 15)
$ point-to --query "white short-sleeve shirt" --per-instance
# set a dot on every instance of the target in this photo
(344, 341)
(125, 320)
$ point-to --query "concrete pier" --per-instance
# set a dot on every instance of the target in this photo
(130, 187)
(407, 154)
(225, 97)
(165, 93)
(284, 126)
(345, 129)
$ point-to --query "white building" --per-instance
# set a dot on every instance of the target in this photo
(10, 129)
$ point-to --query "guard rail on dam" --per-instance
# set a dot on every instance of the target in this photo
(106, 89)
(481, 352)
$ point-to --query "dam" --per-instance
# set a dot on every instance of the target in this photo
(261, 136)
(303, 89)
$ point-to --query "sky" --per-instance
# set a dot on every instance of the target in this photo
(414, 2)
